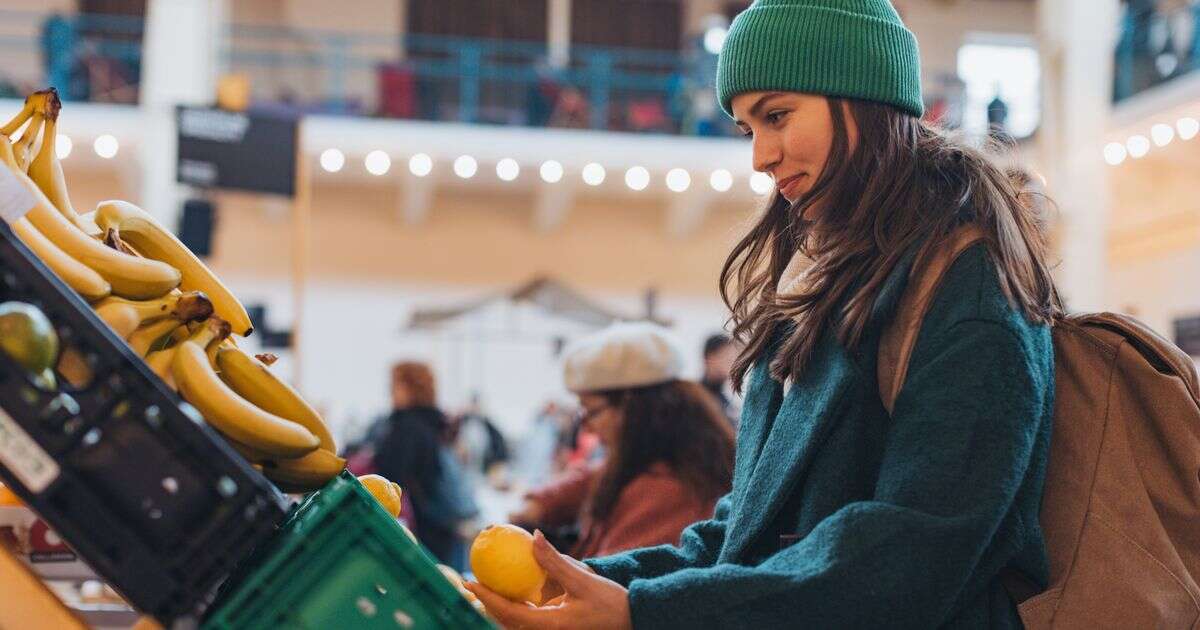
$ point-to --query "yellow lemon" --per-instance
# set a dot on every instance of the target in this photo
(384, 491)
(502, 560)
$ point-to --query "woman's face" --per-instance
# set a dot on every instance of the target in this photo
(792, 137)
(601, 418)
(400, 396)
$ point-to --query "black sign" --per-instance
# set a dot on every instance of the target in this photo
(1187, 335)
(220, 149)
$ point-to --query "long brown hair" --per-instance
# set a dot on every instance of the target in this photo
(678, 423)
(904, 184)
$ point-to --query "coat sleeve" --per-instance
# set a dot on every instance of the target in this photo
(652, 510)
(698, 546)
(562, 500)
(963, 436)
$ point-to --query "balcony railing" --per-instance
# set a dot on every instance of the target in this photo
(1155, 46)
(438, 78)
(477, 80)
(86, 57)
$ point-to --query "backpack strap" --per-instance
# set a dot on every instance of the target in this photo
(1158, 351)
(900, 336)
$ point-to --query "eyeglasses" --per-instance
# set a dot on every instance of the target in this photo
(586, 414)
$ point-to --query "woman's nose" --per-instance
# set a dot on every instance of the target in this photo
(765, 152)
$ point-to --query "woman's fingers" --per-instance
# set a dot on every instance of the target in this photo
(560, 568)
(510, 614)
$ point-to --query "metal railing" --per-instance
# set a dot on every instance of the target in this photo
(476, 80)
(438, 78)
(86, 57)
(1154, 46)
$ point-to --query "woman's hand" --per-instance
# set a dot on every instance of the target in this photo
(589, 601)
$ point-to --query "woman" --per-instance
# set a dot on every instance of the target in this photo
(670, 449)
(841, 515)
(414, 453)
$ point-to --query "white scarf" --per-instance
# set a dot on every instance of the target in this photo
(793, 274)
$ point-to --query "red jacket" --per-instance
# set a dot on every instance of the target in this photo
(653, 509)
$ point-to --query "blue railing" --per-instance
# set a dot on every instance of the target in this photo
(1154, 47)
(476, 80)
(86, 57)
(98, 58)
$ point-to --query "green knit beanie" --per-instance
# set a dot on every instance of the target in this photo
(846, 48)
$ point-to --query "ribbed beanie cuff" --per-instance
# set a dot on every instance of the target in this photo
(844, 48)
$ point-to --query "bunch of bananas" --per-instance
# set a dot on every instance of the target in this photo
(167, 305)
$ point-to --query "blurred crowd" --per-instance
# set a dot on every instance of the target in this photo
(638, 454)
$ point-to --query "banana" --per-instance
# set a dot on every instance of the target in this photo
(304, 474)
(252, 380)
(136, 227)
(160, 363)
(148, 336)
(229, 413)
(27, 112)
(46, 171)
(125, 316)
(131, 277)
(78, 276)
(23, 148)
(249, 453)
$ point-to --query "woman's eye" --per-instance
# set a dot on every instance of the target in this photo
(775, 116)
(747, 133)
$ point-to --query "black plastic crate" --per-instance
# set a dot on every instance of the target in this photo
(125, 471)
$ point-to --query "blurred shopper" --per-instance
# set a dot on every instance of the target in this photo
(669, 448)
(480, 446)
(719, 354)
(536, 452)
(414, 453)
(846, 515)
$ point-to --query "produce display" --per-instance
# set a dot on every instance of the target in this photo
(173, 313)
(166, 304)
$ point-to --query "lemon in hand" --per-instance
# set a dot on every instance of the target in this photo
(502, 560)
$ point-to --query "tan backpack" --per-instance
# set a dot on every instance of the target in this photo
(1121, 509)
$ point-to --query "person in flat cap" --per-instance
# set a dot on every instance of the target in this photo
(851, 507)
(669, 449)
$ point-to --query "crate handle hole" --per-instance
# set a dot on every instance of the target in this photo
(366, 607)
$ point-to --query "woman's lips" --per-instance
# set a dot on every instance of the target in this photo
(789, 187)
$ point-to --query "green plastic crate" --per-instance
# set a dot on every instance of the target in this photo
(341, 561)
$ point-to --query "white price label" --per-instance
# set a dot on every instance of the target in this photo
(23, 457)
(15, 199)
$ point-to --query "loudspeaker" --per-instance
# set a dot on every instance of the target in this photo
(196, 226)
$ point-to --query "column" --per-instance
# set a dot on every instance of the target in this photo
(1076, 39)
(180, 65)
(558, 36)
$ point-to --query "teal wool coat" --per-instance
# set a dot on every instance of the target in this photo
(843, 517)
